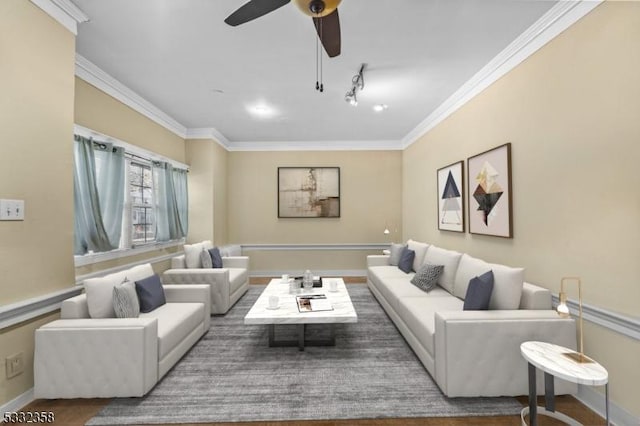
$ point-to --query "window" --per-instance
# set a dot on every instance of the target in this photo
(141, 202)
(125, 198)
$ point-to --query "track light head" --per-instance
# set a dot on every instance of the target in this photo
(357, 83)
(350, 97)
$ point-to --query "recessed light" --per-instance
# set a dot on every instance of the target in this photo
(380, 107)
(262, 110)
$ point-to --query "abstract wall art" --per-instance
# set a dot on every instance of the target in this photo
(308, 192)
(489, 185)
(451, 197)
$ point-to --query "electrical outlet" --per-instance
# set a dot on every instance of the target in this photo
(15, 365)
(11, 209)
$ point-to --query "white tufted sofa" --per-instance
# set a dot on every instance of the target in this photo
(227, 284)
(82, 357)
(469, 353)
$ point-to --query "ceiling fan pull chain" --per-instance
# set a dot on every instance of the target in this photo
(317, 80)
(320, 53)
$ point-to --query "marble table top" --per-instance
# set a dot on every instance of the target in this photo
(550, 358)
(287, 312)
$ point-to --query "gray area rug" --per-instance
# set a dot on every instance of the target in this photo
(232, 375)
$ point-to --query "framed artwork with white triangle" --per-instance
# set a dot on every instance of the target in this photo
(451, 197)
(489, 185)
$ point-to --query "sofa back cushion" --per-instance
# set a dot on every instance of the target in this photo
(507, 287)
(507, 281)
(468, 268)
(395, 251)
(420, 250)
(100, 290)
(192, 253)
(447, 258)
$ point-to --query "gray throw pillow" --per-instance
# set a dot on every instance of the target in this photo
(205, 259)
(125, 300)
(406, 260)
(396, 252)
(216, 258)
(427, 276)
(150, 293)
(479, 293)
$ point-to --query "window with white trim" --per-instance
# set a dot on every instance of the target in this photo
(140, 205)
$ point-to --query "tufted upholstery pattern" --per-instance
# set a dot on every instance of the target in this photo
(478, 352)
(87, 358)
(227, 284)
(82, 357)
(470, 353)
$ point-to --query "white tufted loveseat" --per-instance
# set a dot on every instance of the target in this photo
(469, 353)
(227, 284)
(82, 357)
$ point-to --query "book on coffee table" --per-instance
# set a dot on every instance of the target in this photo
(313, 303)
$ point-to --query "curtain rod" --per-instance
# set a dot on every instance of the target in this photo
(129, 148)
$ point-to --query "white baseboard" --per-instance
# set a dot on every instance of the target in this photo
(17, 403)
(323, 273)
(596, 401)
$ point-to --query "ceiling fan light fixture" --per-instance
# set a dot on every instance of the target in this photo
(317, 8)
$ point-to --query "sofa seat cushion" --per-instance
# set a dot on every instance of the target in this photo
(419, 315)
(175, 322)
(387, 271)
(394, 288)
(237, 277)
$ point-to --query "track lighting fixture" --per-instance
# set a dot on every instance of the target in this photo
(357, 83)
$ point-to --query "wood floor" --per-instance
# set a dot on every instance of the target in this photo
(76, 412)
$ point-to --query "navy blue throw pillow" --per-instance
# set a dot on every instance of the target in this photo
(216, 258)
(479, 293)
(150, 293)
(406, 260)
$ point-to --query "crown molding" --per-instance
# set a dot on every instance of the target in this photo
(380, 145)
(63, 11)
(209, 133)
(560, 17)
(92, 74)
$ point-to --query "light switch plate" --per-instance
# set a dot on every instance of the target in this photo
(11, 209)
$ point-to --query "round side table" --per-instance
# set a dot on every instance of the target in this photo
(554, 362)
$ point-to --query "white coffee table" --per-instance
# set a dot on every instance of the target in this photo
(288, 313)
(553, 360)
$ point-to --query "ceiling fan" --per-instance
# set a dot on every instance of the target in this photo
(323, 12)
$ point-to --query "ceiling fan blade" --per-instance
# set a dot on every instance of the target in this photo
(328, 29)
(252, 10)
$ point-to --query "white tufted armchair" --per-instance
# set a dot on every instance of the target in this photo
(227, 284)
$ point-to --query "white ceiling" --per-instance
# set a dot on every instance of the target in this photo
(178, 55)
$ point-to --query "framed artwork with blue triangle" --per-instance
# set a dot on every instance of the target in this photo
(451, 197)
